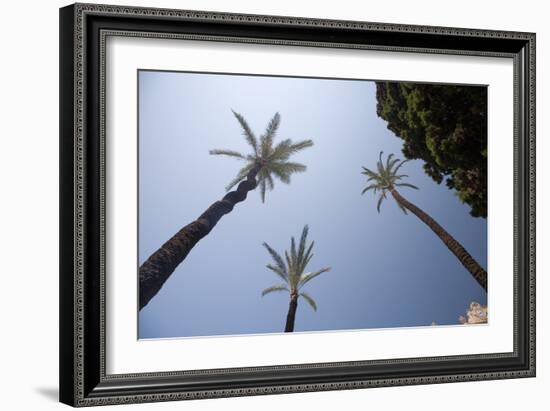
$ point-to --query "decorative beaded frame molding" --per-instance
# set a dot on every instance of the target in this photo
(83, 380)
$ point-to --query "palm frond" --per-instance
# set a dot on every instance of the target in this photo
(284, 170)
(380, 164)
(307, 257)
(369, 172)
(281, 151)
(230, 153)
(274, 288)
(302, 244)
(407, 185)
(266, 140)
(370, 187)
(310, 276)
(295, 147)
(388, 160)
(393, 163)
(400, 165)
(293, 253)
(304, 256)
(291, 270)
(292, 168)
(382, 198)
(247, 132)
(270, 182)
(310, 300)
(280, 172)
(263, 189)
(276, 257)
(277, 270)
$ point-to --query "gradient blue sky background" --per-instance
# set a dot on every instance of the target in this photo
(388, 269)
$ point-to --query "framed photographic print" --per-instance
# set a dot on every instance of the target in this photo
(261, 204)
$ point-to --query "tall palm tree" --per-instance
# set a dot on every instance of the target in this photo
(293, 275)
(265, 161)
(386, 179)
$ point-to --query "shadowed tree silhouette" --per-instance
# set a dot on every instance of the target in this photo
(293, 275)
(266, 161)
(386, 179)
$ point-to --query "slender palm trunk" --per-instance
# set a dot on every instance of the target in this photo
(479, 274)
(154, 272)
(291, 316)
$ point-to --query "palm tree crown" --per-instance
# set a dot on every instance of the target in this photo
(273, 159)
(292, 269)
(386, 178)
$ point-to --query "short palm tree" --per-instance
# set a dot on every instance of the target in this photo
(386, 180)
(293, 274)
(267, 160)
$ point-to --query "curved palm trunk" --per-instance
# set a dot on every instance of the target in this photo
(154, 272)
(291, 316)
(479, 274)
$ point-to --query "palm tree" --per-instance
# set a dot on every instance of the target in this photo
(386, 179)
(292, 273)
(264, 162)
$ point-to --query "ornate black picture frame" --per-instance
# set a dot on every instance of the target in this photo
(83, 30)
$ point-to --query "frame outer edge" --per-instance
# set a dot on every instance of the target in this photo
(234, 17)
(66, 200)
(72, 136)
(531, 66)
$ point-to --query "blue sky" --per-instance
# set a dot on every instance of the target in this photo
(388, 269)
